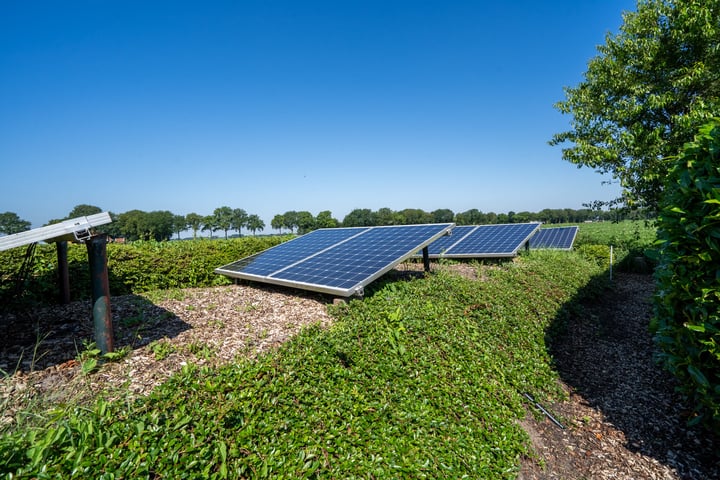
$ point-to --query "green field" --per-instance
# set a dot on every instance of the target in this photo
(627, 234)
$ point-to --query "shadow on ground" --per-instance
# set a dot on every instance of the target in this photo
(37, 337)
(604, 353)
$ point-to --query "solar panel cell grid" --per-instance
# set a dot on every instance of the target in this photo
(347, 264)
(503, 240)
(297, 249)
(556, 238)
(339, 260)
(443, 243)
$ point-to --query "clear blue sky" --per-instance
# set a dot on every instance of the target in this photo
(310, 105)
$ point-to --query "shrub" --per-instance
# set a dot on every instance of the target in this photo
(687, 318)
(132, 268)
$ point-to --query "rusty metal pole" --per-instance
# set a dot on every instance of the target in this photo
(102, 317)
(63, 272)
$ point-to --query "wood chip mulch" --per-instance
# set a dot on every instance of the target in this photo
(622, 418)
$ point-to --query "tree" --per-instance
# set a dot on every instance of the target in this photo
(10, 223)
(209, 222)
(113, 228)
(442, 215)
(278, 222)
(471, 217)
(254, 223)
(239, 219)
(644, 96)
(305, 222)
(131, 224)
(84, 210)
(291, 220)
(194, 221)
(386, 216)
(415, 216)
(159, 225)
(224, 218)
(179, 224)
(325, 219)
(360, 217)
(139, 225)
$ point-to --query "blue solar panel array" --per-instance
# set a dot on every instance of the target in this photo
(338, 261)
(483, 241)
(561, 238)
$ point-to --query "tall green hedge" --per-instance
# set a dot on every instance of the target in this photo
(132, 268)
(687, 323)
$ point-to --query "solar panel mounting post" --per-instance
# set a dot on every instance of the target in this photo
(426, 258)
(102, 318)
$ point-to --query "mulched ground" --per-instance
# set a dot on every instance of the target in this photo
(623, 418)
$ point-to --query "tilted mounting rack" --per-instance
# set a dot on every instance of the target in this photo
(79, 229)
(75, 228)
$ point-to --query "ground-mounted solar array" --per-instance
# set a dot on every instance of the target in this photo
(338, 261)
(558, 238)
(483, 241)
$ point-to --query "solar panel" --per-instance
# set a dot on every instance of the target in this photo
(561, 238)
(78, 228)
(339, 261)
(483, 241)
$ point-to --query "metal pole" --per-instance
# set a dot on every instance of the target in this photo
(426, 258)
(102, 317)
(63, 272)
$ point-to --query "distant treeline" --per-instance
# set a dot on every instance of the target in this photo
(386, 216)
(163, 225)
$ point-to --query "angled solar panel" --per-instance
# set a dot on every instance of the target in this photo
(76, 228)
(560, 238)
(483, 241)
(338, 261)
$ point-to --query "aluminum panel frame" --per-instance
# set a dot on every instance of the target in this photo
(65, 230)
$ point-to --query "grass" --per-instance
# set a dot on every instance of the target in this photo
(422, 379)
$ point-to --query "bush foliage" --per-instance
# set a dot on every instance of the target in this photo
(132, 268)
(687, 323)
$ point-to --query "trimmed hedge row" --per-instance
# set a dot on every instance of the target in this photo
(132, 268)
(687, 323)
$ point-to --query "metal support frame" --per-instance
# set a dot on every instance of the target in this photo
(426, 258)
(76, 229)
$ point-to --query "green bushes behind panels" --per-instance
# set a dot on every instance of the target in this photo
(687, 323)
(132, 268)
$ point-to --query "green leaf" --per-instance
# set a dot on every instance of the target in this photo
(698, 376)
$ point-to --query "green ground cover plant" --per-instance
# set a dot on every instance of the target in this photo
(421, 379)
